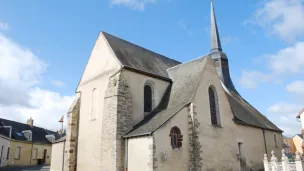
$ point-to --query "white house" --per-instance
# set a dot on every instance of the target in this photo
(4, 148)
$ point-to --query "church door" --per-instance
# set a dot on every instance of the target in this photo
(241, 158)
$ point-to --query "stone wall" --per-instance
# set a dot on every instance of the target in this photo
(72, 136)
(117, 120)
(195, 159)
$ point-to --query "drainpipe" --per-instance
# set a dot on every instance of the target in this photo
(126, 154)
(31, 153)
(10, 127)
(265, 141)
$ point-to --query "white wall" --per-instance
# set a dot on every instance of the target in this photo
(101, 65)
(302, 119)
(5, 142)
(298, 142)
(136, 83)
(57, 156)
(223, 142)
(177, 159)
(139, 153)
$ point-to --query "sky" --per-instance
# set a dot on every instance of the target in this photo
(45, 45)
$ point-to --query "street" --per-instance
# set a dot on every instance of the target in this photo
(33, 168)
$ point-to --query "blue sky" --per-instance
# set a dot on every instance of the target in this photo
(263, 41)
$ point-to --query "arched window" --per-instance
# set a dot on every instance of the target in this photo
(213, 102)
(275, 140)
(176, 137)
(147, 98)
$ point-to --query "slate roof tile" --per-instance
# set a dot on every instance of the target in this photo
(38, 134)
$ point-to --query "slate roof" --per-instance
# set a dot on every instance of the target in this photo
(138, 58)
(182, 91)
(245, 114)
(38, 134)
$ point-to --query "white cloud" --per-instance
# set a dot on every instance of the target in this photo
(284, 18)
(183, 25)
(296, 87)
(58, 83)
(133, 4)
(20, 96)
(20, 69)
(288, 60)
(284, 115)
(251, 79)
(285, 109)
(47, 108)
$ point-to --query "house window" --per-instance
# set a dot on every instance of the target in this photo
(275, 140)
(176, 137)
(147, 98)
(213, 102)
(94, 108)
(18, 153)
(27, 134)
(8, 153)
(35, 153)
(2, 148)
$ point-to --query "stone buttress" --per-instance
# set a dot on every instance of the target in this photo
(195, 159)
(117, 120)
(71, 136)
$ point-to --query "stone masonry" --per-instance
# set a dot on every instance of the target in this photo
(152, 156)
(195, 159)
(71, 136)
(117, 120)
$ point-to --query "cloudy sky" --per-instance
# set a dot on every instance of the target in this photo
(44, 47)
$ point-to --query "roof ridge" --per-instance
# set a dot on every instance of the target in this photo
(25, 124)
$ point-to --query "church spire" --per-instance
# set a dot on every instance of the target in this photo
(215, 37)
(220, 60)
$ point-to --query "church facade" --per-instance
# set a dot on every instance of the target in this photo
(137, 110)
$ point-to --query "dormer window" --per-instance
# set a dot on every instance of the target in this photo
(27, 134)
(50, 138)
(148, 98)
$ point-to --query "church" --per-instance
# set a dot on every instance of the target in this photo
(136, 110)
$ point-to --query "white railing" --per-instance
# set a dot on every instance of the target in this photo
(284, 165)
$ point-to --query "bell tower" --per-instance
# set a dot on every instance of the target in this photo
(219, 58)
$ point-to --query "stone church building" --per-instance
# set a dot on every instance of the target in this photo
(137, 110)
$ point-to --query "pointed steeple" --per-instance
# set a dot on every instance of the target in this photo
(215, 37)
(219, 58)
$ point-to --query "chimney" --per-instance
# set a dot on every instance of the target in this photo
(30, 122)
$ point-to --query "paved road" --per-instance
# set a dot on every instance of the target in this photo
(35, 168)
